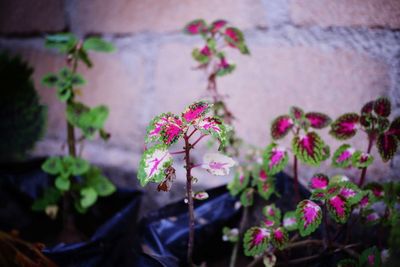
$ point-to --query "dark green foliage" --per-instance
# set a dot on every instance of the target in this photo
(22, 117)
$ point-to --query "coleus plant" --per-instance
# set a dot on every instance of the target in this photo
(307, 146)
(373, 119)
(218, 36)
(191, 126)
(76, 180)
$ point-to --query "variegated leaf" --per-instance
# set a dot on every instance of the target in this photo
(255, 241)
(338, 208)
(361, 159)
(338, 178)
(367, 108)
(197, 26)
(265, 189)
(279, 237)
(272, 212)
(318, 195)
(215, 127)
(382, 107)
(200, 195)
(350, 192)
(290, 221)
(377, 190)
(153, 164)
(345, 126)
(166, 128)
(275, 158)
(326, 153)
(217, 164)
(195, 112)
(387, 146)
(308, 215)
(319, 181)
(247, 197)
(281, 126)
(218, 25)
(234, 37)
(308, 148)
(366, 200)
(342, 157)
(296, 113)
(318, 120)
(268, 223)
(394, 128)
(239, 182)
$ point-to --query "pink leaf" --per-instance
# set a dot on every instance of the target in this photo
(318, 120)
(345, 126)
(308, 215)
(279, 237)
(195, 27)
(281, 126)
(309, 148)
(195, 111)
(256, 240)
(217, 25)
(338, 208)
(319, 181)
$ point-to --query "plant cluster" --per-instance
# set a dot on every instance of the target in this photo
(76, 180)
(191, 126)
(335, 202)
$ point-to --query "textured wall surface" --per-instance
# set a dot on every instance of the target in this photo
(330, 56)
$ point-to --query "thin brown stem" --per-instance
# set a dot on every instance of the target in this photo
(189, 193)
(371, 139)
(178, 152)
(242, 225)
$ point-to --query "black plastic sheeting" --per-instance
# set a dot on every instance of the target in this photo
(160, 239)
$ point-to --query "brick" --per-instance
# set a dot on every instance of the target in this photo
(116, 80)
(369, 13)
(26, 16)
(267, 83)
(127, 16)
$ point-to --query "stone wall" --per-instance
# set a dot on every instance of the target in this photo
(330, 56)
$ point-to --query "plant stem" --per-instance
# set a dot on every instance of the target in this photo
(327, 237)
(296, 179)
(371, 139)
(189, 193)
(242, 225)
(198, 139)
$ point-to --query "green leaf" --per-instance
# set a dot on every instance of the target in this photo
(279, 237)
(79, 166)
(231, 235)
(272, 212)
(64, 94)
(97, 44)
(290, 221)
(200, 57)
(247, 197)
(77, 80)
(265, 188)
(361, 159)
(78, 207)
(52, 165)
(63, 183)
(255, 241)
(153, 164)
(50, 80)
(63, 42)
(89, 197)
(309, 148)
(342, 157)
(239, 182)
(100, 183)
(84, 57)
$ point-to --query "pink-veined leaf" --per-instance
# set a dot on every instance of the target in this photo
(326, 153)
(338, 208)
(318, 195)
(265, 189)
(361, 159)
(279, 237)
(224, 67)
(387, 146)
(259, 174)
(350, 193)
(371, 257)
(234, 37)
(215, 127)
(308, 215)
(366, 199)
(218, 25)
(367, 108)
(342, 157)
(155, 127)
(382, 107)
(281, 126)
(172, 130)
(195, 111)
(255, 241)
(275, 158)
(376, 189)
(200, 195)
(319, 181)
(296, 113)
(239, 182)
(203, 56)
(272, 212)
(153, 164)
(268, 223)
(217, 164)
(290, 221)
(247, 197)
(196, 26)
(309, 148)
(318, 120)
(345, 126)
